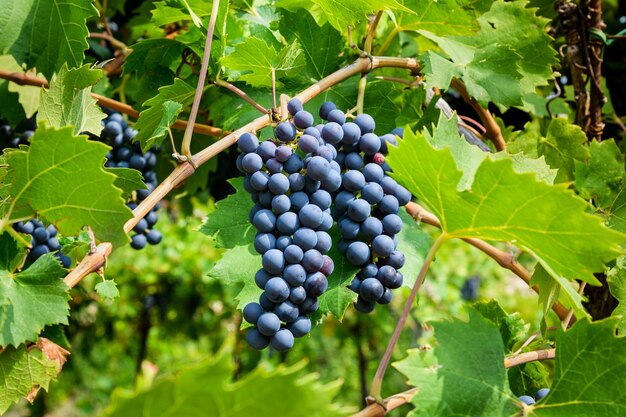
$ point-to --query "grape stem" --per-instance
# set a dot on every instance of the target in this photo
(371, 32)
(360, 98)
(390, 403)
(28, 79)
(241, 94)
(114, 42)
(375, 391)
(186, 146)
(504, 259)
(184, 170)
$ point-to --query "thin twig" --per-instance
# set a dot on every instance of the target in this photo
(535, 355)
(241, 94)
(117, 44)
(568, 320)
(504, 259)
(492, 130)
(397, 80)
(371, 32)
(377, 383)
(27, 79)
(186, 146)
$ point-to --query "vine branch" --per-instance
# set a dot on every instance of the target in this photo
(27, 79)
(186, 169)
(241, 94)
(504, 259)
(492, 130)
(186, 146)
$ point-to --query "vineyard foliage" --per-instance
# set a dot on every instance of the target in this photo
(514, 240)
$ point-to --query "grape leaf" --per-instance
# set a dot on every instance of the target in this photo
(511, 326)
(562, 146)
(341, 13)
(127, 180)
(10, 107)
(87, 197)
(322, 46)
(253, 61)
(46, 34)
(25, 370)
(228, 225)
(32, 299)
(552, 289)
(548, 221)
(382, 103)
(237, 266)
(11, 255)
(591, 386)
(600, 178)
(161, 112)
(616, 278)
(172, 11)
(209, 389)
(107, 289)
(615, 214)
(508, 58)
(467, 375)
(447, 17)
(68, 101)
(28, 95)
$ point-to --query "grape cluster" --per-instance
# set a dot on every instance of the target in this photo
(126, 154)
(540, 395)
(292, 195)
(366, 205)
(43, 240)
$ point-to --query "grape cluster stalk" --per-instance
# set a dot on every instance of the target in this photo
(126, 154)
(302, 181)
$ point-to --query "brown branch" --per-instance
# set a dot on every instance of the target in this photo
(90, 263)
(492, 130)
(395, 401)
(185, 170)
(595, 48)
(504, 259)
(27, 79)
(114, 42)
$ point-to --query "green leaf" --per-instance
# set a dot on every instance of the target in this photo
(322, 46)
(589, 373)
(228, 225)
(28, 95)
(237, 266)
(508, 58)
(10, 99)
(24, 370)
(172, 11)
(127, 180)
(32, 299)
(562, 146)
(382, 103)
(162, 111)
(511, 326)
(107, 289)
(600, 178)
(46, 34)
(87, 197)
(468, 376)
(616, 278)
(548, 221)
(341, 13)
(253, 61)
(553, 289)
(11, 255)
(615, 214)
(441, 17)
(209, 389)
(68, 101)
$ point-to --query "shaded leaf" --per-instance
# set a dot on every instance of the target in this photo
(600, 178)
(107, 289)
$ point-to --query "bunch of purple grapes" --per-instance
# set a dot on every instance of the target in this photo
(126, 154)
(291, 184)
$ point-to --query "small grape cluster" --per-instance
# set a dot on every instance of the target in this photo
(9, 138)
(126, 154)
(43, 240)
(540, 395)
(292, 214)
(366, 205)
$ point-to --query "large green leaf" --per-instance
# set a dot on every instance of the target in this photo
(45, 34)
(68, 102)
(32, 299)
(342, 13)
(253, 61)
(505, 60)
(171, 11)
(601, 177)
(511, 326)
(208, 389)
(25, 370)
(447, 17)
(228, 225)
(467, 376)
(548, 221)
(61, 178)
(589, 373)
(322, 46)
(161, 112)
